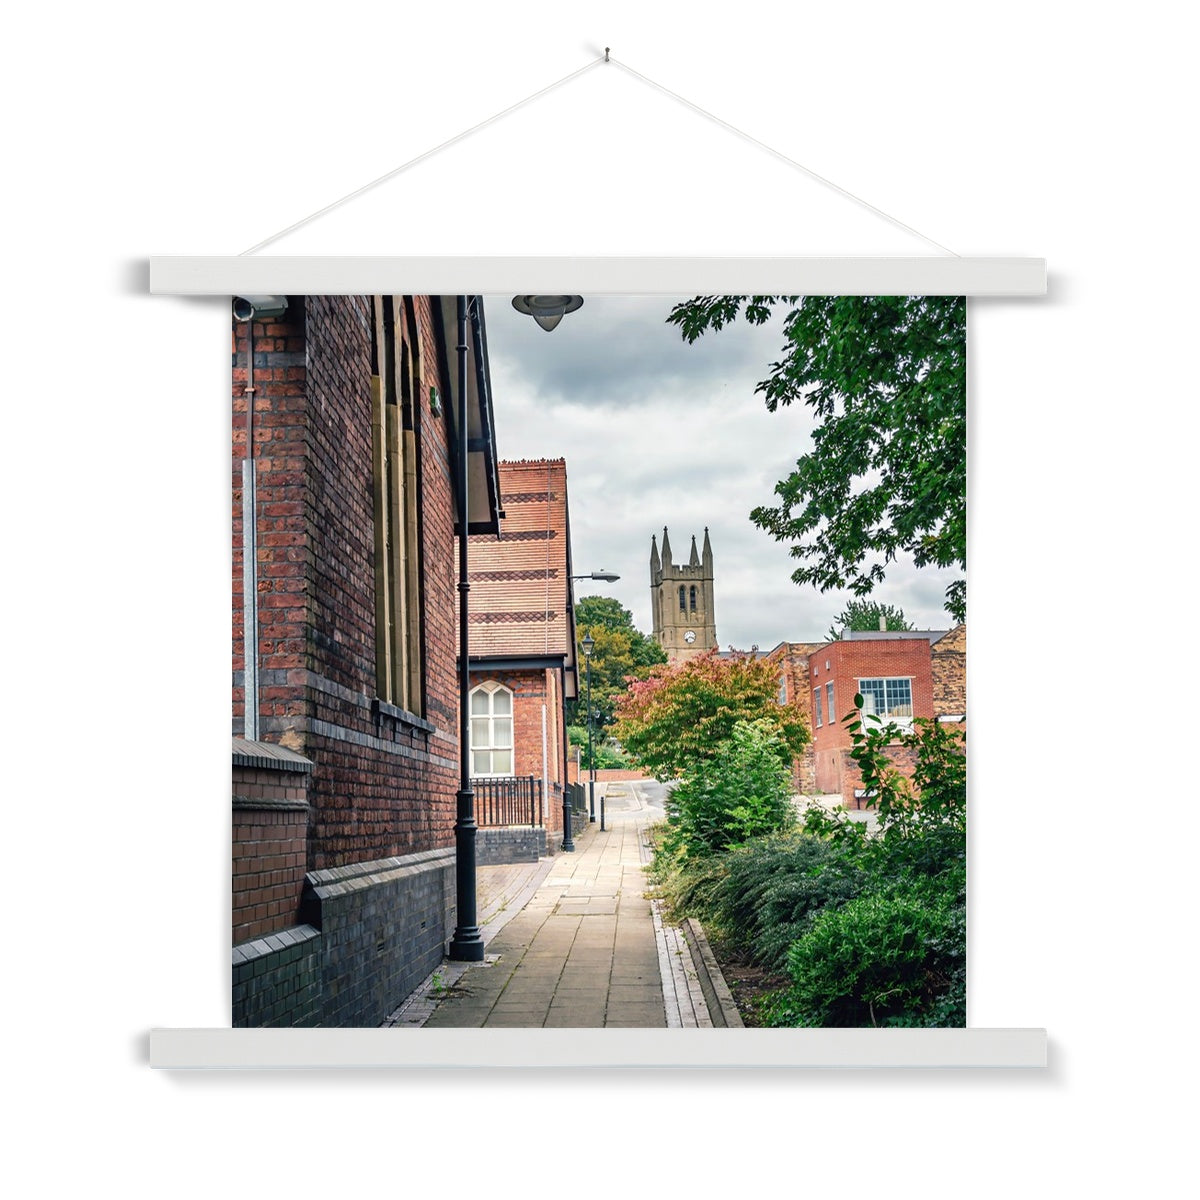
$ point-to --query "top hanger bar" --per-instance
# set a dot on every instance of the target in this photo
(197, 275)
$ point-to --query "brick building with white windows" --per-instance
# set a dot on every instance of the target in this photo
(894, 673)
(522, 663)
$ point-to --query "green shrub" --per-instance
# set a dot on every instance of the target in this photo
(744, 791)
(770, 888)
(879, 959)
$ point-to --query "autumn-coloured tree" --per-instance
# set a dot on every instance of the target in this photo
(682, 713)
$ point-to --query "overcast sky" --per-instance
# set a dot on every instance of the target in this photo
(656, 432)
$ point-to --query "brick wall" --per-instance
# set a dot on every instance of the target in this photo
(792, 658)
(948, 671)
(510, 844)
(277, 980)
(269, 852)
(383, 784)
(384, 927)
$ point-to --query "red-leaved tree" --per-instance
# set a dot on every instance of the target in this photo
(681, 714)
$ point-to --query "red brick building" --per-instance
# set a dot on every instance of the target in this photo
(522, 657)
(895, 673)
(345, 709)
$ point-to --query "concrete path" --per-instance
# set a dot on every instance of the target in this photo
(582, 952)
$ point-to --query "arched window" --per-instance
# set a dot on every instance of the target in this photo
(682, 598)
(491, 729)
(693, 599)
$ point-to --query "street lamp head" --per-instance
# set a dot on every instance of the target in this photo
(547, 311)
(602, 576)
(587, 643)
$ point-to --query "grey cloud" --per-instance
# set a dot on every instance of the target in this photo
(605, 354)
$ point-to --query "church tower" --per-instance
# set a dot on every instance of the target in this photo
(681, 600)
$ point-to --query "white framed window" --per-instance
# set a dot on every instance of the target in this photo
(817, 706)
(491, 729)
(782, 688)
(887, 699)
(829, 703)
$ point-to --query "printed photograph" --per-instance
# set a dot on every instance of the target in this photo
(599, 661)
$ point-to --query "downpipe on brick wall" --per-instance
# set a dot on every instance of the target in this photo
(248, 309)
(467, 943)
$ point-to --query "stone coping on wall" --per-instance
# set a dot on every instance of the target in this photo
(337, 881)
(269, 756)
(272, 943)
(267, 804)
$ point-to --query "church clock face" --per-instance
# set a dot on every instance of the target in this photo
(690, 636)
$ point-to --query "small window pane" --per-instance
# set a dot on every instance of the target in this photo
(481, 762)
(502, 702)
(479, 702)
(502, 731)
(899, 698)
(502, 762)
(479, 731)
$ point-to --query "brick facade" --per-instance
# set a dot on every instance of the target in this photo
(792, 658)
(383, 778)
(948, 673)
(522, 622)
(843, 664)
(270, 838)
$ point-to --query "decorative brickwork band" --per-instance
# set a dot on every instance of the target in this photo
(506, 617)
(513, 576)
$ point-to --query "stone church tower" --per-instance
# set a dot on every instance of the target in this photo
(681, 599)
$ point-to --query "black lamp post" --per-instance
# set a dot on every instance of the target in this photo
(587, 643)
(467, 943)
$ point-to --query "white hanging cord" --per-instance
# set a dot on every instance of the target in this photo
(412, 162)
(783, 157)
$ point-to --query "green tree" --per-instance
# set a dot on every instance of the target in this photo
(619, 652)
(679, 716)
(886, 377)
(863, 615)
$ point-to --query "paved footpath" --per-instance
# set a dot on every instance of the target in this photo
(582, 952)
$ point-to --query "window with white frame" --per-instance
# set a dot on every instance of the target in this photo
(829, 703)
(817, 706)
(887, 699)
(491, 730)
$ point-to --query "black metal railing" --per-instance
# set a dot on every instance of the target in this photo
(516, 801)
(577, 796)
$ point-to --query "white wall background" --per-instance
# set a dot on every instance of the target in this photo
(1022, 128)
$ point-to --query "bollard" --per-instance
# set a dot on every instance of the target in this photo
(601, 812)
